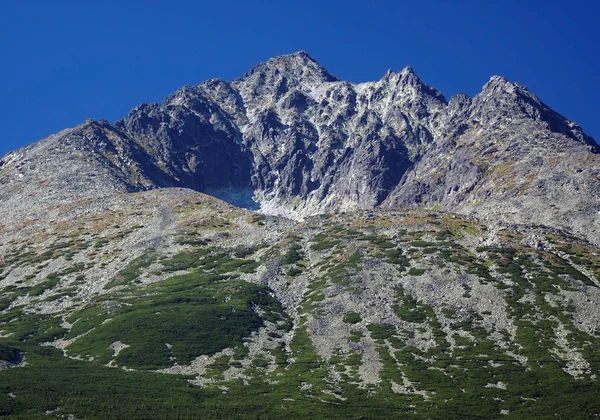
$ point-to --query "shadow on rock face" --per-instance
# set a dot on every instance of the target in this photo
(240, 197)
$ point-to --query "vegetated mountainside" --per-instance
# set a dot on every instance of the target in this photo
(291, 139)
(125, 292)
(215, 311)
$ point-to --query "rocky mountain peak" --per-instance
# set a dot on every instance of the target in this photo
(298, 69)
(270, 81)
(460, 100)
(407, 71)
(495, 82)
(291, 138)
(498, 87)
(297, 66)
(501, 99)
(406, 93)
(444, 261)
(405, 77)
(410, 89)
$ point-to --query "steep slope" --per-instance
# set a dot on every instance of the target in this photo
(291, 139)
(505, 156)
(125, 292)
(321, 144)
(184, 142)
(217, 310)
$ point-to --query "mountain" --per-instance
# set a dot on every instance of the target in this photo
(410, 256)
(291, 139)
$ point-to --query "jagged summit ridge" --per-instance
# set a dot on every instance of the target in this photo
(290, 138)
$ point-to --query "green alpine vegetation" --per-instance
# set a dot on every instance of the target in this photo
(394, 314)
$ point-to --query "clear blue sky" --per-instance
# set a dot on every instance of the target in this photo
(65, 61)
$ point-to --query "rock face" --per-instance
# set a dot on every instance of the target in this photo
(290, 138)
(504, 155)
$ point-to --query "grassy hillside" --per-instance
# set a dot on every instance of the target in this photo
(176, 305)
